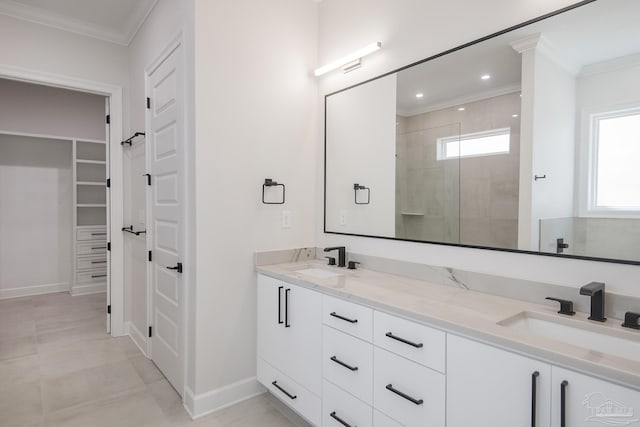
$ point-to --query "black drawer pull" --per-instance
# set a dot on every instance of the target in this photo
(280, 322)
(98, 247)
(406, 396)
(98, 234)
(95, 276)
(402, 340)
(341, 363)
(346, 319)
(286, 308)
(340, 420)
(98, 262)
(563, 403)
(534, 397)
(290, 396)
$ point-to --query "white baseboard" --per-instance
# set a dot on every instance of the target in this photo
(136, 336)
(92, 288)
(205, 403)
(33, 290)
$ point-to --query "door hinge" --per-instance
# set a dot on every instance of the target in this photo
(108, 182)
(148, 178)
(108, 119)
(150, 256)
(148, 103)
(108, 246)
(109, 309)
(150, 331)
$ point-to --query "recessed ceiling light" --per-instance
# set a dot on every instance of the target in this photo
(514, 115)
(461, 109)
(419, 95)
(485, 77)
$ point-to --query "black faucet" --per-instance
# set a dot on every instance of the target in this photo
(596, 291)
(342, 254)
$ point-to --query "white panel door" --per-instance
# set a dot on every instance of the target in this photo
(165, 218)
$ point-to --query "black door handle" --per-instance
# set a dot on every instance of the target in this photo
(563, 403)
(346, 319)
(286, 308)
(289, 395)
(280, 322)
(177, 268)
(403, 395)
(402, 340)
(534, 397)
(340, 420)
(341, 363)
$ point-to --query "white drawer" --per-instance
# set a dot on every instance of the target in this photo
(93, 233)
(381, 420)
(393, 376)
(95, 276)
(93, 248)
(414, 341)
(91, 263)
(302, 401)
(340, 408)
(348, 362)
(354, 319)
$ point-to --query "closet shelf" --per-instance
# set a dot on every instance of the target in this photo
(91, 205)
(91, 162)
(92, 183)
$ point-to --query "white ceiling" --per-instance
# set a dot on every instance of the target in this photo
(591, 34)
(116, 21)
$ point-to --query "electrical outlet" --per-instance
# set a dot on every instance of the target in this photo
(286, 219)
(343, 217)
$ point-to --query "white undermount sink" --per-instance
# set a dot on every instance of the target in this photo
(319, 273)
(586, 334)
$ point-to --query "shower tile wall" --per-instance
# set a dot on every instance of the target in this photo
(473, 200)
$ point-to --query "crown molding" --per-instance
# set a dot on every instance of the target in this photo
(121, 36)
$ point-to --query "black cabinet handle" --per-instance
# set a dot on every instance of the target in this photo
(98, 247)
(346, 319)
(95, 276)
(290, 396)
(98, 262)
(406, 396)
(563, 403)
(286, 308)
(341, 363)
(98, 234)
(402, 340)
(340, 420)
(280, 288)
(534, 397)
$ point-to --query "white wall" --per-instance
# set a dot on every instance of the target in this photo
(36, 192)
(361, 129)
(255, 119)
(411, 30)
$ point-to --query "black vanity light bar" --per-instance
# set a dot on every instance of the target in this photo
(130, 140)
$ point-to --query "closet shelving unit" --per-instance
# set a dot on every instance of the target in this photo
(90, 164)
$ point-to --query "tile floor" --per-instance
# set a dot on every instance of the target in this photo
(58, 367)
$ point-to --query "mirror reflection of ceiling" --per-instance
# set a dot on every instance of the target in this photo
(588, 35)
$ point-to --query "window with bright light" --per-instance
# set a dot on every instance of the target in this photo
(478, 144)
(615, 177)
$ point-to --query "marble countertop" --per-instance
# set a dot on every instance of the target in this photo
(467, 313)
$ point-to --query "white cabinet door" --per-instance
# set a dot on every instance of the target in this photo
(591, 402)
(290, 331)
(489, 387)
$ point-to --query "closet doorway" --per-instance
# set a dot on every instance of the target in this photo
(55, 221)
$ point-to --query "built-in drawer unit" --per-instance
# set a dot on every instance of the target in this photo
(382, 420)
(95, 276)
(92, 233)
(91, 263)
(339, 408)
(348, 317)
(414, 341)
(348, 363)
(93, 248)
(408, 392)
(291, 393)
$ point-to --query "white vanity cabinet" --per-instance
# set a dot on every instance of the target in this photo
(488, 387)
(290, 344)
(589, 401)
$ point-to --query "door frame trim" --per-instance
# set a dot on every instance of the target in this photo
(114, 93)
